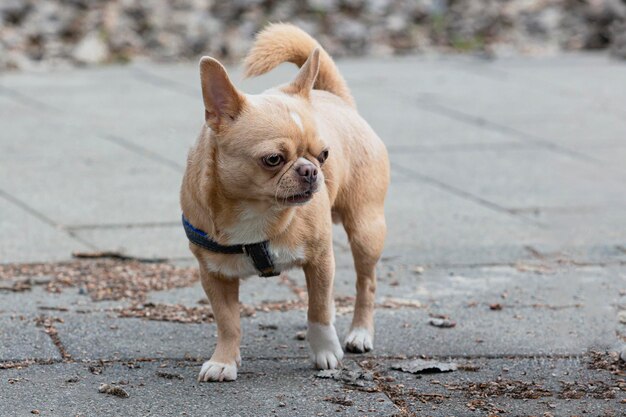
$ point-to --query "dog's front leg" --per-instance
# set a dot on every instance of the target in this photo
(326, 349)
(223, 294)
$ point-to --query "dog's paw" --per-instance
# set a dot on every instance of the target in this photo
(217, 371)
(327, 352)
(359, 340)
(327, 359)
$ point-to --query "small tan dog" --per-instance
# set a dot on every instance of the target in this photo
(266, 178)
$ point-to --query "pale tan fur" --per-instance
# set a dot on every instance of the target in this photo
(229, 193)
(280, 43)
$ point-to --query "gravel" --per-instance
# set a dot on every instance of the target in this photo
(38, 34)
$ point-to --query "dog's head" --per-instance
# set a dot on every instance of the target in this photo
(267, 145)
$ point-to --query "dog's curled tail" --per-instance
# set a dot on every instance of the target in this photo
(281, 42)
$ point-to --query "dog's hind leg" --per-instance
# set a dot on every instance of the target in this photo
(366, 231)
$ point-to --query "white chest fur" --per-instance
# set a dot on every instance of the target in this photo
(241, 266)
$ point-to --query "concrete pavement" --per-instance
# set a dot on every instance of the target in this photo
(506, 215)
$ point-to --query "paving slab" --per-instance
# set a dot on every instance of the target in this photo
(166, 241)
(282, 388)
(517, 179)
(91, 98)
(404, 127)
(478, 99)
(28, 238)
(77, 178)
(429, 224)
(21, 339)
(607, 73)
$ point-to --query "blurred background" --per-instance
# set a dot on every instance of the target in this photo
(42, 34)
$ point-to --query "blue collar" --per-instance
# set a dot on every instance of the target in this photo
(258, 253)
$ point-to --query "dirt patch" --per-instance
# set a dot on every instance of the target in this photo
(102, 279)
(522, 390)
(345, 401)
(168, 312)
(483, 405)
(596, 389)
(179, 313)
(169, 375)
(607, 361)
(18, 286)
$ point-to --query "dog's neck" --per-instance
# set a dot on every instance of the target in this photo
(245, 222)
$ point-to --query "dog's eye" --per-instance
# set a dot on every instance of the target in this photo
(273, 160)
(323, 156)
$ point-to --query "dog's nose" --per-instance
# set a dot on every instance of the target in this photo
(308, 172)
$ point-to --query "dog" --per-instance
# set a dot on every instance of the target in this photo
(266, 179)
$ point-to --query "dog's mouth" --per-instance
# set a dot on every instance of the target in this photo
(298, 198)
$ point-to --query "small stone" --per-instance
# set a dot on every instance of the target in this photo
(91, 50)
(424, 366)
(418, 270)
(441, 322)
(34, 412)
(113, 390)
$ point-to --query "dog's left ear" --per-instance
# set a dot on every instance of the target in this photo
(305, 79)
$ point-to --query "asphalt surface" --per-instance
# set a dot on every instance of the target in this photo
(506, 215)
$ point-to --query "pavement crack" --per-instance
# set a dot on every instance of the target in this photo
(534, 252)
(111, 226)
(433, 107)
(28, 101)
(48, 324)
(465, 195)
(460, 147)
(145, 152)
(164, 83)
(45, 219)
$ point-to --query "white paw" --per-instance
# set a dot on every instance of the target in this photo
(327, 359)
(327, 352)
(217, 371)
(359, 340)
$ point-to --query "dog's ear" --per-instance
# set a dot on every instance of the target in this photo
(305, 79)
(222, 101)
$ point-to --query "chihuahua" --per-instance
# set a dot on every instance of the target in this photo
(266, 179)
